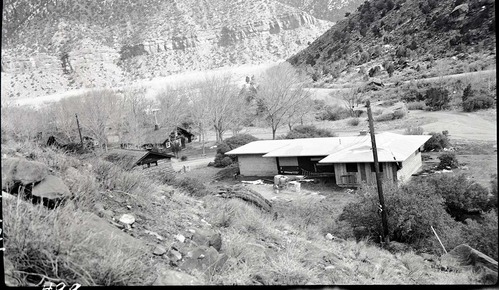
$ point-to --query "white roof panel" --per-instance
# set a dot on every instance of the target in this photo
(259, 147)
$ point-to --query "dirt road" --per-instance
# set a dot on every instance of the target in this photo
(461, 125)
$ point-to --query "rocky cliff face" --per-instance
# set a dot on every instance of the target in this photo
(331, 10)
(55, 45)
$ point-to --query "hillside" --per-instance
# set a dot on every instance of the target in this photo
(331, 10)
(49, 46)
(416, 39)
(87, 241)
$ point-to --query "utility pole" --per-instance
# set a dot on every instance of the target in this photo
(79, 130)
(382, 208)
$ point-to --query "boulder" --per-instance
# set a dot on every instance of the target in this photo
(52, 187)
(127, 219)
(159, 250)
(22, 171)
(202, 259)
(203, 237)
(10, 279)
(174, 255)
(170, 277)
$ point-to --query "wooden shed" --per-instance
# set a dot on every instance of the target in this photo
(140, 159)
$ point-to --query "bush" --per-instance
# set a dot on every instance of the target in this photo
(332, 113)
(437, 98)
(478, 103)
(416, 105)
(414, 131)
(462, 196)
(353, 122)
(222, 160)
(448, 160)
(384, 117)
(399, 114)
(411, 210)
(482, 235)
(437, 142)
(308, 131)
(183, 158)
(193, 186)
(493, 193)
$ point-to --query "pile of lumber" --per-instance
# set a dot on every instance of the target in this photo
(246, 194)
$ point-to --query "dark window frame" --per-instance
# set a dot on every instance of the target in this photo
(350, 168)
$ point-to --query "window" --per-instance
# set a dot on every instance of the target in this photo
(352, 167)
(380, 167)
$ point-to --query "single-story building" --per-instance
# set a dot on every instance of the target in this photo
(162, 138)
(346, 160)
(140, 159)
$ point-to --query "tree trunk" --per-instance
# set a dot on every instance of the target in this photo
(273, 133)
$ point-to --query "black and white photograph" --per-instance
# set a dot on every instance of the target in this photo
(298, 143)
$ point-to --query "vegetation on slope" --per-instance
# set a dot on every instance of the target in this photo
(397, 35)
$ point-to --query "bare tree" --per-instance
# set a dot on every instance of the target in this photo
(172, 106)
(351, 99)
(223, 99)
(199, 112)
(97, 110)
(278, 93)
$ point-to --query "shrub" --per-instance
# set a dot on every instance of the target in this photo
(437, 98)
(353, 122)
(411, 210)
(414, 131)
(448, 160)
(416, 105)
(384, 117)
(222, 160)
(478, 103)
(467, 93)
(332, 113)
(192, 186)
(308, 131)
(462, 196)
(482, 235)
(493, 193)
(438, 141)
(176, 148)
(399, 114)
(183, 158)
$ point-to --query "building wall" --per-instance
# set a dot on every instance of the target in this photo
(410, 166)
(364, 173)
(288, 161)
(256, 165)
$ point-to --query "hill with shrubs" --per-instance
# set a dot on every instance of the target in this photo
(120, 227)
(404, 39)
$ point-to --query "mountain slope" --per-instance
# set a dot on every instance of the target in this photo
(52, 45)
(332, 10)
(412, 35)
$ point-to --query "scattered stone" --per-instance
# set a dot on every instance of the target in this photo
(159, 251)
(204, 237)
(207, 223)
(191, 231)
(129, 207)
(127, 219)
(154, 234)
(174, 255)
(52, 187)
(170, 277)
(330, 267)
(203, 259)
(180, 238)
(329, 236)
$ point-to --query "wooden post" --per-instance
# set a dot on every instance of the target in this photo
(79, 130)
(382, 208)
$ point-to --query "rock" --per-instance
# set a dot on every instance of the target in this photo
(170, 277)
(202, 237)
(180, 238)
(159, 251)
(428, 257)
(52, 187)
(127, 219)
(329, 236)
(203, 259)
(154, 234)
(328, 268)
(464, 255)
(22, 171)
(174, 255)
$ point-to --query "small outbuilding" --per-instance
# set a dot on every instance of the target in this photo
(140, 159)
